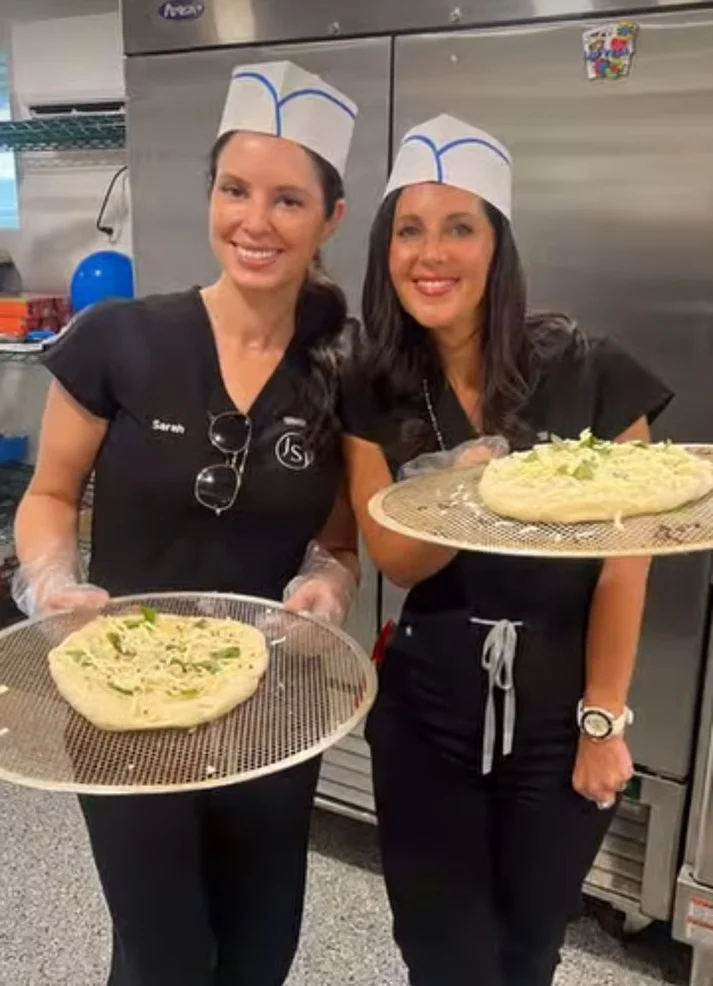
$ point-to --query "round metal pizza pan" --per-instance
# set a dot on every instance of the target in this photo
(445, 508)
(318, 686)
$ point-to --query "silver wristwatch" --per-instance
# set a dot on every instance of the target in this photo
(599, 724)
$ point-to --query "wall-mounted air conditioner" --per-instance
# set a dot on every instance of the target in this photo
(41, 110)
(66, 63)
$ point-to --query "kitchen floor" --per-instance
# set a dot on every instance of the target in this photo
(53, 926)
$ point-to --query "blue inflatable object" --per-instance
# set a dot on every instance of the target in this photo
(100, 277)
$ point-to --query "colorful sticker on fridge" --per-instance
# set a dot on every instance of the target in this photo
(609, 50)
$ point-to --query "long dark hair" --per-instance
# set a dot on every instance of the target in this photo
(399, 354)
(320, 317)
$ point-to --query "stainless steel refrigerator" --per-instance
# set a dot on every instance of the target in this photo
(614, 217)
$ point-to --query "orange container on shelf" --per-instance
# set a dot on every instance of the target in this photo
(13, 326)
(13, 306)
(33, 313)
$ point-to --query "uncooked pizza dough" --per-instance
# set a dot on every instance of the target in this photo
(158, 671)
(565, 482)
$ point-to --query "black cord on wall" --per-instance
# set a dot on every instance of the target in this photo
(109, 230)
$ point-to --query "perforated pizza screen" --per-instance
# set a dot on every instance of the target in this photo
(319, 684)
(445, 508)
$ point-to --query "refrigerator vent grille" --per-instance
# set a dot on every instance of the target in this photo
(618, 870)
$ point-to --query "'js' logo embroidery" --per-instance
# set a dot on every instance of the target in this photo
(291, 453)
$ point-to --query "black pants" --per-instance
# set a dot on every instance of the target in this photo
(483, 874)
(205, 889)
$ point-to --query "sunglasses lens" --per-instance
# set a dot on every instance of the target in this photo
(217, 487)
(230, 433)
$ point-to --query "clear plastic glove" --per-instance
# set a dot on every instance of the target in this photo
(52, 584)
(323, 587)
(474, 453)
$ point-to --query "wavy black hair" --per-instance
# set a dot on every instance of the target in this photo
(320, 317)
(398, 354)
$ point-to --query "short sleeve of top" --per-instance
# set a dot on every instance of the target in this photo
(626, 391)
(84, 359)
(357, 407)
(600, 386)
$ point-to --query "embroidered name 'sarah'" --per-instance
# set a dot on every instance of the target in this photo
(175, 428)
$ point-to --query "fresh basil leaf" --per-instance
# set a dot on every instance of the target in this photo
(120, 689)
(81, 658)
(211, 666)
(584, 471)
(226, 654)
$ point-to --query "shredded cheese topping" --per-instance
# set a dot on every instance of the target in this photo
(171, 656)
(615, 473)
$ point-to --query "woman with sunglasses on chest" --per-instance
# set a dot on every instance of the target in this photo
(208, 418)
(498, 734)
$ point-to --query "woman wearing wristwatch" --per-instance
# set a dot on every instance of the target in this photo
(498, 735)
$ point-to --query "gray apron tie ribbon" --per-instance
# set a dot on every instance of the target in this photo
(498, 659)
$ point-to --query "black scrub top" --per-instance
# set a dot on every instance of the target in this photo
(151, 369)
(435, 660)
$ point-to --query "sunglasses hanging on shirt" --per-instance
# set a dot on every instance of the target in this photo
(217, 486)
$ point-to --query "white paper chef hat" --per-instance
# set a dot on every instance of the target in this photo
(284, 100)
(451, 152)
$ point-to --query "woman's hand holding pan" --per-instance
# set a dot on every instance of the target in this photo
(51, 583)
(323, 587)
(474, 453)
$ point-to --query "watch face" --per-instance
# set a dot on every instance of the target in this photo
(596, 725)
